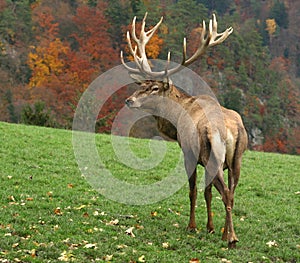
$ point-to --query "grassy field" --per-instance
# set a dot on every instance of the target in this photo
(49, 213)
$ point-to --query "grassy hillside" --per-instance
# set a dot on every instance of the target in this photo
(49, 213)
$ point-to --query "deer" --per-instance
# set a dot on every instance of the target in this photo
(209, 134)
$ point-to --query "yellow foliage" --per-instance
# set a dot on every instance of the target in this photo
(45, 61)
(271, 26)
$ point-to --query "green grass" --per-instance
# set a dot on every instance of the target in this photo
(48, 211)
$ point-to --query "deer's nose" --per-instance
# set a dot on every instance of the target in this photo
(128, 102)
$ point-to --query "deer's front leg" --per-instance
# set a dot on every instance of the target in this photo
(190, 164)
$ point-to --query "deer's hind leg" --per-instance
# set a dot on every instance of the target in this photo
(227, 198)
(208, 196)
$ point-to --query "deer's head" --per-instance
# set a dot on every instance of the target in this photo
(148, 94)
(158, 83)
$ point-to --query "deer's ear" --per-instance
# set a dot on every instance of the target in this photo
(139, 79)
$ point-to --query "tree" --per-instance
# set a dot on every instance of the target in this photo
(219, 6)
(94, 52)
(118, 20)
(271, 26)
(191, 16)
(279, 13)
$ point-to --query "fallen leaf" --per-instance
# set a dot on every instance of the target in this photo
(11, 198)
(129, 232)
(165, 244)
(70, 185)
(33, 253)
(242, 218)
(108, 257)
(15, 245)
(142, 259)
(121, 246)
(194, 260)
(79, 207)
(94, 246)
(66, 256)
(154, 213)
(225, 260)
(58, 211)
(29, 199)
(95, 213)
(113, 222)
(272, 244)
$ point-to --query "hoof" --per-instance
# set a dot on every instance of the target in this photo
(232, 245)
(191, 229)
(210, 231)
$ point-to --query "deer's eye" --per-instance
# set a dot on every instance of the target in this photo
(154, 89)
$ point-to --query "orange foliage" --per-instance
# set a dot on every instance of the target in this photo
(60, 74)
(276, 143)
(46, 62)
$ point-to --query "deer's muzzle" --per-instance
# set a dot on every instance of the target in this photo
(129, 102)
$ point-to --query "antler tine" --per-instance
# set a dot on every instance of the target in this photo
(217, 38)
(201, 49)
(143, 24)
(208, 39)
(152, 30)
(133, 70)
(134, 54)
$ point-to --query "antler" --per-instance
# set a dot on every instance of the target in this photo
(207, 39)
(142, 60)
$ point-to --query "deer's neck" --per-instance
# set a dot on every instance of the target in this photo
(167, 124)
(177, 95)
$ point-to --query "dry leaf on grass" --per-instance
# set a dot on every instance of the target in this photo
(129, 231)
(113, 222)
(58, 211)
(66, 256)
(108, 257)
(142, 259)
(272, 244)
(194, 260)
(94, 246)
(165, 244)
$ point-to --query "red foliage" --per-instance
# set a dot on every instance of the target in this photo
(280, 64)
(95, 46)
(276, 143)
(109, 111)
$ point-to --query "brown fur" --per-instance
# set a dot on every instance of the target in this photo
(209, 135)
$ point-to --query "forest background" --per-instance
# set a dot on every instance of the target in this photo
(50, 51)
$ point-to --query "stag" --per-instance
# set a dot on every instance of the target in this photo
(208, 134)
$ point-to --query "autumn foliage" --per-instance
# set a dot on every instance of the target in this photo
(50, 52)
